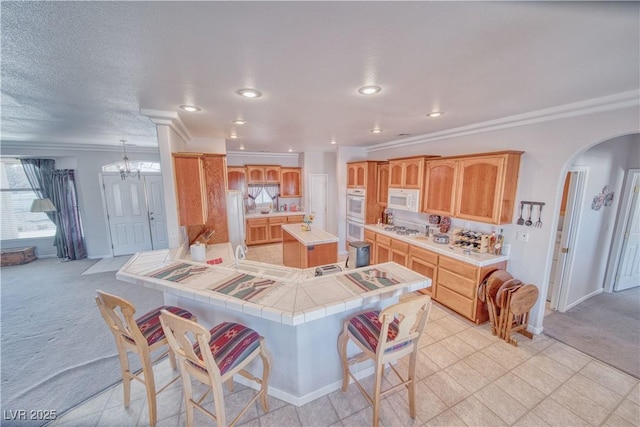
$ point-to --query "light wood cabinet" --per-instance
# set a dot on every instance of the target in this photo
(295, 219)
(357, 174)
(370, 238)
(486, 187)
(275, 228)
(383, 249)
(363, 175)
(290, 182)
(383, 184)
(237, 179)
(190, 188)
(440, 187)
(257, 231)
(426, 263)
(263, 174)
(399, 252)
(406, 173)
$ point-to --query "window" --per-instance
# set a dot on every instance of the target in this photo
(16, 197)
(142, 166)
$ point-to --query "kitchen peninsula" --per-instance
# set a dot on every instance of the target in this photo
(299, 315)
(303, 248)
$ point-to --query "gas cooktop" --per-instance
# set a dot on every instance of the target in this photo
(403, 231)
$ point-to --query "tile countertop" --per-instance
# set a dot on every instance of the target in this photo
(272, 214)
(279, 294)
(315, 236)
(474, 258)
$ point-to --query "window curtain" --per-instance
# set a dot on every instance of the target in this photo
(272, 191)
(254, 191)
(40, 175)
(69, 238)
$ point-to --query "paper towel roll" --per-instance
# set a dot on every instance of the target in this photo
(198, 252)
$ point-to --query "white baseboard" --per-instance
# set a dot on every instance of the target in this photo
(584, 298)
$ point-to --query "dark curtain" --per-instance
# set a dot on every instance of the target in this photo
(40, 175)
(69, 236)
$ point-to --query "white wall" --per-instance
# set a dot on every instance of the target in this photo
(322, 163)
(240, 158)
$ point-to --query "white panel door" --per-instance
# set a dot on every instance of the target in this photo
(629, 268)
(157, 217)
(318, 199)
(127, 215)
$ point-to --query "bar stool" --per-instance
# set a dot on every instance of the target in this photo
(141, 336)
(385, 337)
(213, 359)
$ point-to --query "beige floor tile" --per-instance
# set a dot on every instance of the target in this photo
(503, 353)
(580, 405)
(467, 376)
(616, 421)
(447, 418)
(634, 395)
(485, 366)
(537, 378)
(629, 411)
(519, 389)
(568, 356)
(440, 354)
(446, 388)
(454, 324)
(530, 420)
(319, 413)
(436, 331)
(285, 416)
(594, 391)
(553, 413)
(609, 377)
(551, 367)
(475, 338)
(428, 404)
(501, 403)
(458, 346)
(474, 413)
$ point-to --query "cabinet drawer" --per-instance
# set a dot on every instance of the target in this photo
(460, 268)
(400, 246)
(455, 301)
(423, 254)
(456, 283)
(371, 235)
(295, 219)
(383, 239)
(257, 221)
(278, 220)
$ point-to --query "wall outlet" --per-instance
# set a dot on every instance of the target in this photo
(523, 237)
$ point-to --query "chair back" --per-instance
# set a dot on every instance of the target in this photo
(118, 313)
(182, 334)
(411, 316)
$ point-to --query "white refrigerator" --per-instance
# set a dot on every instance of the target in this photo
(235, 219)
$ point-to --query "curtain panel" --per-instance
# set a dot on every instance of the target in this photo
(70, 237)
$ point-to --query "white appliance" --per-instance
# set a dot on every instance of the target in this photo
(235, 219)
(356, 206)
(404, 199)
(355, 231)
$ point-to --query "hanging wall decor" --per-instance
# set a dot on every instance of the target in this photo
(605, 198)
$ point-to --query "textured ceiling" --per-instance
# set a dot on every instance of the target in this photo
(79, 72)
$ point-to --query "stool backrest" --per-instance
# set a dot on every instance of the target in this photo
(412, 315)
(119, 313)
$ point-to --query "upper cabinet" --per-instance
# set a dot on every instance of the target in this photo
(476, 187)
(237, 178)
(406, 173)
(263, 174)
(383, 183)
(190, 188)
(290, 182)
(357, 173)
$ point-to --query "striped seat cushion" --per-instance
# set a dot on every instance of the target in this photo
(149, 324)
(366, 328)
(230, 344)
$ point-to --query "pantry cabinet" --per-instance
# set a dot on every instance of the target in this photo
(290, 182)
(406, 173)
(190, 188)
(476, 187)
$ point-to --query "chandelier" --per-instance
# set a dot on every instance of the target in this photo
(125, 170)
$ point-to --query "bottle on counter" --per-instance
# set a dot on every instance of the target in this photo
(499, 243)
(492, 242)
(385, 216)
(390, 218)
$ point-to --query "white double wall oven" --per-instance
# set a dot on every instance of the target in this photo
(356, 211)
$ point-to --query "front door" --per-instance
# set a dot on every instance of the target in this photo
(157, 217)
(628, 275)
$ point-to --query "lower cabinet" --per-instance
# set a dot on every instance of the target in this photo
(399, 252)
(370, 238)
(275, 228)
(426, 263)
(269, 229)
(383, 249)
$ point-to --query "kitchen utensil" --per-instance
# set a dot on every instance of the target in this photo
(521, 220)
(442, 239)
(538, 223)
(529, 222)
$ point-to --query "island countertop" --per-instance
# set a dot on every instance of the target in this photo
(315, 236)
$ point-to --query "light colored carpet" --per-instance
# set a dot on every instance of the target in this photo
(56, 349)
(107, 264)
(606, 327)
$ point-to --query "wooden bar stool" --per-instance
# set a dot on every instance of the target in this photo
(141, 336)
(384, 337)
(213, 358)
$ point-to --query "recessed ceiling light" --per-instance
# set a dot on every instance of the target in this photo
(435, 114)
(369, 90)
(290, 150)
(190, 108)
(333, 142)
(376, 130)
(233, 136)
(239, 122)
(242, 147)
(249, 93)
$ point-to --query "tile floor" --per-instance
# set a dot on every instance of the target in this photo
(466, 377)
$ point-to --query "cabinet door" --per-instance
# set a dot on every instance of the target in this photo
(395, 174)
(399, 252)
(480, 185)
(370, 238)
(237, 179)
(351, 176)
(440, 187)
(190, 189)
(290, 182)
(216, 197)
(383, 184)
(272, 174)
(295, 219)
(361, 175)
(275, 228)
(412, 173)
(383, 253)
(255, 174)
(257, 231)
(426, 263)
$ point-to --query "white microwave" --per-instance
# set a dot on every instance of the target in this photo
(404, 199)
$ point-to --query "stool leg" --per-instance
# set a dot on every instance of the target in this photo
(411, 374)
(188, 394)
(150, 385)
(125, 371)
(218, 401)
(376, 394)
(266, 373)
(343, 339)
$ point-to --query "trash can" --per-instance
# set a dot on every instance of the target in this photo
(359, 253)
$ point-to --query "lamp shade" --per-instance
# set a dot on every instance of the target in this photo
(42, 205)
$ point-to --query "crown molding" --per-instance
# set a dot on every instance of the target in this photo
(262, 154)
(168, 118)
(66, 146)
(595, 105)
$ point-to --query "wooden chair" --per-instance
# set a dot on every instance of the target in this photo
(141, 336)
(213, 358)
(384, 337)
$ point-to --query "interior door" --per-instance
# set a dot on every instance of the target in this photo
(318, 199)
(157, 216)
(127, 215)
(628, 275)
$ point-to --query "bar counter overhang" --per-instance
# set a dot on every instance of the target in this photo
(300, 315)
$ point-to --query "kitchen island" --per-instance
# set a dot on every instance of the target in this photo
(303, 248)
(299, 315)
